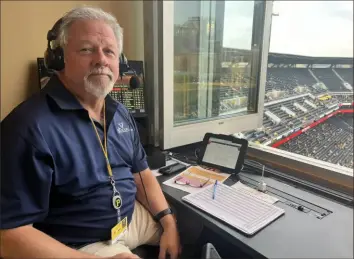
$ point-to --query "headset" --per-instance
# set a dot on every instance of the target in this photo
(54, 58)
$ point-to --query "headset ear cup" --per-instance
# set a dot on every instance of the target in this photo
(59, 58)
(49, 59)
(54, 59)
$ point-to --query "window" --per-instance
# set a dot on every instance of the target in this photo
(308, 101)
(208, 81)
(208, 86)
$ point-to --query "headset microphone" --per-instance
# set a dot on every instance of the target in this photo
(134, 82)
(126, 70)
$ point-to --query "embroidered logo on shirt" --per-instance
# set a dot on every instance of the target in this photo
(122, 129)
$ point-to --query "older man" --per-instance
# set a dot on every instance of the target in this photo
(74, 178)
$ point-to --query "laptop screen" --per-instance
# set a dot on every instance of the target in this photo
(222, 153)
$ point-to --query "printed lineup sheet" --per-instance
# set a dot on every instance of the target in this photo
(195, 178)
(235, 206)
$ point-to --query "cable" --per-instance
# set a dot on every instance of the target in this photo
(182, 158)
(196, 153)
(129, 119)
(147, 200)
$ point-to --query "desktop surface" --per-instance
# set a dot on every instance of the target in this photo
(294, 235)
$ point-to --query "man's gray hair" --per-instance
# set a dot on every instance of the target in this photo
(88, 13)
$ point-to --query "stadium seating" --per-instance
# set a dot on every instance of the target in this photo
(331, 141)
(345, 98)
(329, 78)
(287, 79)
(283, 83)
(330, 152)
(346, 74)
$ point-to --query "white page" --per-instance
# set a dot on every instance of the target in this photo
(235, 207)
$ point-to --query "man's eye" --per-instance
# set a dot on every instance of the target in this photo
(110, 52)
(85, 50)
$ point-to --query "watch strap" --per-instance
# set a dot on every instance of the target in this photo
(162, 213)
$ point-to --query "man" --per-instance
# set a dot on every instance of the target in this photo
(73, 171)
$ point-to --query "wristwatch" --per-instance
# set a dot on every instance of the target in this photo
(162, 214)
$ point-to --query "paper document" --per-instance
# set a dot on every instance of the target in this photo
(195, 178)
(260, 195)
(235, 206)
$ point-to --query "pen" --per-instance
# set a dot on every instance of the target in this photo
(214, 190)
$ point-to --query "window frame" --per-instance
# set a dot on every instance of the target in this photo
(172, 136)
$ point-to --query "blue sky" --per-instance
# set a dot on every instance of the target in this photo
(312, 28)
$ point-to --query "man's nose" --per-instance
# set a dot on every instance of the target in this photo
(99, 58)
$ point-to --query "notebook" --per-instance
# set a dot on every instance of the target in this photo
(236, 207)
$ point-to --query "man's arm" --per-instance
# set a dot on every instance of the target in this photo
(28, 242)
(26, 176)
(156, 199)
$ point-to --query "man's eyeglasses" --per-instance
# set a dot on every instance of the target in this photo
(191, 181)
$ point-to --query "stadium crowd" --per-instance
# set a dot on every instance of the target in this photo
(331, 141)
(324, 90)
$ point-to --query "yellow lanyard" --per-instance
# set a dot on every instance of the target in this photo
(116, 199)
(104, 148)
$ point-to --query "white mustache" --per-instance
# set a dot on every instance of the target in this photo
(102, 71)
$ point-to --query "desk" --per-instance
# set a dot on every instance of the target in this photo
(294, 235)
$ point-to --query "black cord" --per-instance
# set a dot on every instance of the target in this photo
(196, 153)
(142, 182)
(129, 119)
(183, 158)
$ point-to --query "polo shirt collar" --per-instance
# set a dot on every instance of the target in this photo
(67, 101)
(62, 96)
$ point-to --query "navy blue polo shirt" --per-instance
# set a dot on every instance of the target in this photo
(53, 170)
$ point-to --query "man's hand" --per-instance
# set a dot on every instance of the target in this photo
(169, 243)
(124, 255)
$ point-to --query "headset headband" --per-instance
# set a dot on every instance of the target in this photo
(54, 58)
(53, 33)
